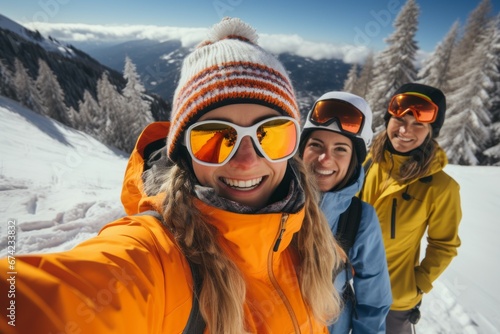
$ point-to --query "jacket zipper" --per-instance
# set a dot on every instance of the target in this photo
(272, 278)
(284, 218)
(393, 218)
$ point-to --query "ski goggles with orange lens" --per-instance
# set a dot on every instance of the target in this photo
(213, 142)
(422, 108)
(349, 118)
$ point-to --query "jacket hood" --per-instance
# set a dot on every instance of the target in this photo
(133, 196)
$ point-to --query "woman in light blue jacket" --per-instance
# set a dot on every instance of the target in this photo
(333, 145)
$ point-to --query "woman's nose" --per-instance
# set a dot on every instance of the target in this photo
(324, 157)
(246, 154)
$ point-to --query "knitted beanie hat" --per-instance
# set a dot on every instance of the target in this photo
(228, 68)
(432, 93)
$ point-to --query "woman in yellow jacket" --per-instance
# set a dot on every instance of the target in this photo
(245, 217)
(412, 195)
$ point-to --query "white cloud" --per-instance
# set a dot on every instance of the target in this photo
(105, 33)
(277, 44)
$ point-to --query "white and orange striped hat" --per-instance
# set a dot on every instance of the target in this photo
(228, 68)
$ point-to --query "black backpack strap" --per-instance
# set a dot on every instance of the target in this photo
(196, 323)
(366, 166)
(347, 230)
(349, 224)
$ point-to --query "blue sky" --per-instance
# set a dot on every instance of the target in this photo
(363, 22)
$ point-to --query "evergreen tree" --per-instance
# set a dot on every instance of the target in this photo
(492, 154)
(365, 77)
(51, 94)
(350, 83)
(73, 118)
(25, 88)
(394, 66)
(138, 111)
(90, 118)
(118, 121)
(6, 81)
(467, 130)
(436, 69)
(474, 27)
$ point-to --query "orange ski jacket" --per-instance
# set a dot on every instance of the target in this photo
(132, 277)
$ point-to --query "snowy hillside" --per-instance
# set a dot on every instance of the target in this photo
(62, 186)
(59, 184)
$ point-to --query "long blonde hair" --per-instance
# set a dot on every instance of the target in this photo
(223, 291)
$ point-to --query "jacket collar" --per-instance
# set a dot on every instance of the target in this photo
(333, 203)
(395, 161)
(250, 239)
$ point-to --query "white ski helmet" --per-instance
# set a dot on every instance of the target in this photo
(361, 139)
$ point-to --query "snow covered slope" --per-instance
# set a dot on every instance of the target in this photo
(62, 186)
(59, 184)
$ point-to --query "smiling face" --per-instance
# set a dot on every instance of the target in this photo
(328, 155)
(406, 134)
(246, 178)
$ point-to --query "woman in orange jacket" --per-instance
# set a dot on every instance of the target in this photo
(244, 219)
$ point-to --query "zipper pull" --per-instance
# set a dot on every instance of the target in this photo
(282, 230)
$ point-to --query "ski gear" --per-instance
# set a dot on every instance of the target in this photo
(220, 72)
(370, 277)
(435, 95)
(344, 113)
(195, 324)
(149, 284)
(404, 222)
(213, 143)
(348, 118)
(422, 108)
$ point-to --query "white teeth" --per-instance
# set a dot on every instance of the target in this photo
(323, 172)
(243, 185)
(404, 139)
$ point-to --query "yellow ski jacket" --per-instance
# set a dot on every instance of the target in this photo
(406, 212)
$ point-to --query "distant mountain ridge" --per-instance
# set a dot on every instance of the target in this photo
(159, 63)
(76, 71)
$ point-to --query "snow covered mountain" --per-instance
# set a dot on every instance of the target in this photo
(61, 186)
(49, 44)
(75, 70)
(159, 62)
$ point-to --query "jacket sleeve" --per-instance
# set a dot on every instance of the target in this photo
(442, 233)
(113, 282)
(371, 279)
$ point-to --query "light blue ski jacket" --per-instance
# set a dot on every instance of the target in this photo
(367, 256)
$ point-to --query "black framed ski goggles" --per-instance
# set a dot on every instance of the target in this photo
(348, 118)
(214, 142)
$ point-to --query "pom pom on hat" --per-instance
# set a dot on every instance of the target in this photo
(232, 28)
(228, 68)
